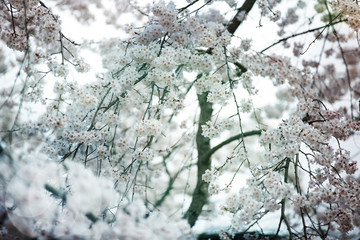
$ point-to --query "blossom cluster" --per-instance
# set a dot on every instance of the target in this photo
(28, 18)
(350, 10)
(284, 142)
(148, 127)
(266, 9)
(214, 129)
(210, 175)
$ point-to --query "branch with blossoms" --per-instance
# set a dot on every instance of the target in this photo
(200, 194)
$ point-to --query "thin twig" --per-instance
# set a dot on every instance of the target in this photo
(299, 34)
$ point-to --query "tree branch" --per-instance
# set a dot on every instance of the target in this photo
(200, 194)
(301, 33)
(229, 140)
(236, 21)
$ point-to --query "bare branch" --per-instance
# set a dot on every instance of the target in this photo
(301, 33)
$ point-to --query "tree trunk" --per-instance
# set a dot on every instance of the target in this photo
(200, 195)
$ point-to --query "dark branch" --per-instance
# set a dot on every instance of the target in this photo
(187, 6)
(236, 21)
(229, 140)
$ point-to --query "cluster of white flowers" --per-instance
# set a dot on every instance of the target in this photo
(275, 186)
(201, 62)
(143, 155)
(246, 44)
(110, 118)
(205, 83)
(150, 127)
(182, 55)
(281, 71)
(174, 102)
(210, 175)
(85, 98)
(247, 82)
(284, 141)
(126, 79)
(44, 26)
(165, 62)
(266, 9)
(219, 93)
(237, 156)
(214, 188)
(161, 78)
(300, 201)
(81, 66)
(246, 105)
(246, 204)
(214, 129)
(166, 14)
(58, 69)
(351, 10)
(144, 53)
(275, 16)
(271, 205)
(18, 43)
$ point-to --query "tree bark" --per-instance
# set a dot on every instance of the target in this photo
(236, 21)
(200, 195)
